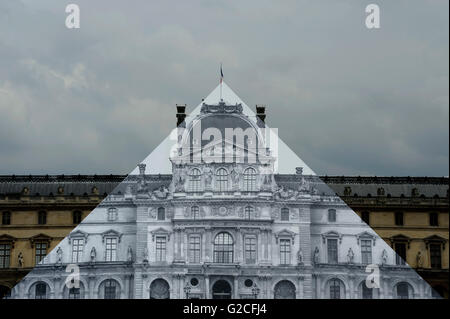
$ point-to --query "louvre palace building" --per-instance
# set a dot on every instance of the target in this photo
(222, 225)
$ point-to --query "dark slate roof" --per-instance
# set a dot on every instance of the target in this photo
(360, 185)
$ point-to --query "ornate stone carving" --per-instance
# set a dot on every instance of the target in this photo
(384, 257)
(419, 259)
(59, 255)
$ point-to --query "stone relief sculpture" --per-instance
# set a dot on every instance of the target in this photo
(350, 256)
(161, 193)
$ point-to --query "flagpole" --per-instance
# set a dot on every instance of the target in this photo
(221, 80)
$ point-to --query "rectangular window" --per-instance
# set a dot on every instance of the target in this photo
(434, 219)
(77, 249)
(435, 256)
(366, 252)
(42, 218)
(332, 215)
(40, 252)
(111, 249)
(5, 254)
(160, 248)
(194, 249)
(285, 251)
(400, 249)
(365, 216)
(6, 218)
(399, 218)
(250, 250)
(332, 251)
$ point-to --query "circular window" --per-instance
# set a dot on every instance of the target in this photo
(194, 281)
(248, 283)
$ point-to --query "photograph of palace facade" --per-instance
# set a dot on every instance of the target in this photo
(226, 228)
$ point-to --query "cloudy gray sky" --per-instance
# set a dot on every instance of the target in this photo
(346, 99)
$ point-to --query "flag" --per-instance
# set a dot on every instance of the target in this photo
(221, 74)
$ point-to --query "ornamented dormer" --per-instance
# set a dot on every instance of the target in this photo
(222, 150)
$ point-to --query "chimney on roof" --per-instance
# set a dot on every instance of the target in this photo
(181, 114)
(142, 169)
(261, 112)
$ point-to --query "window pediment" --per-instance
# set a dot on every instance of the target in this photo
(40, 238)
(435, 239)
(400, 239)
(332, 235)
(111, 233)
(160, 232)
(285, 234)
(8, 239)
(78, 234)
(365, 235)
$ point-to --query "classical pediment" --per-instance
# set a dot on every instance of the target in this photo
(365, 235)
(111, 233)
(285, 233)
(160, 232)
(40, 238)
(77, 234)
(332, 235)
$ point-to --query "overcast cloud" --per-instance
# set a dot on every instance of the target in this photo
(346, 99)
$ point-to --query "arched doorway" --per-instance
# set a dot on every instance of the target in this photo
(159, 289)
(221, 290)
(5, 292)
(284, 290)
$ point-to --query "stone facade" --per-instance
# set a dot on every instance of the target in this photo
(226, 229)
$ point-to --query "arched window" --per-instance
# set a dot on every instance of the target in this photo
(285, 214)
(159, 289)
(249, 212)
(335, 289)
(222, 180)
(284, 290)
(403, 291)
(367, 293)
(110, 289)
(5, 292)
(42, 218)
(40, 290)
(223, 248)
(161, 213)
(76, 217)
(195, 178)
(195, 212)
(250, 180)
(74, 293)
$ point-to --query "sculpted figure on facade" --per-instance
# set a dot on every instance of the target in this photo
(161, 193)
(419, 259)
(130, 254)
(93, 254)
(384, 257)
(20, 260)
(59, 255)
(316, 256)
(350, 256)
(300, 256)
(235, 176)
(145, 254)
(208, 176)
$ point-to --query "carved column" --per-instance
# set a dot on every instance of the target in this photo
(207, 287)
